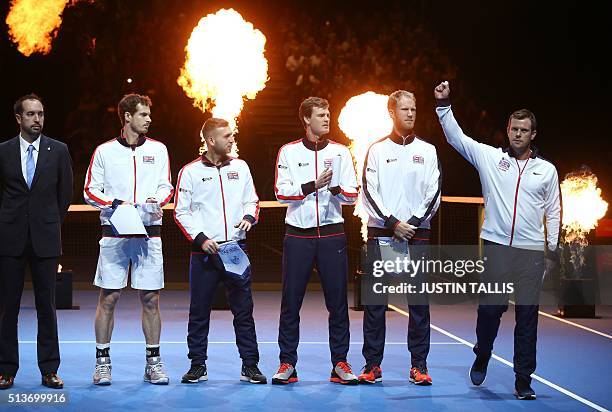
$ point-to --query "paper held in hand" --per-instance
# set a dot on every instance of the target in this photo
(335, 167)
(391, 250)
(150, 207)
(234, 259)
(126, 221)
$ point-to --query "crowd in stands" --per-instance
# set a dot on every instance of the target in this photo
(341, 55)
(336, 56)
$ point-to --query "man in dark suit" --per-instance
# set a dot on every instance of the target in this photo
(35, 193)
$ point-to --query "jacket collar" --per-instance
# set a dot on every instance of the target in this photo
(534, 152)
(315, 146)
(402, 140)
(208, 163)
(141, 139)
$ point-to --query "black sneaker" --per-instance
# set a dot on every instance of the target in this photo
(197, 373)
(478, 371)
(522, 390)
(252, 374)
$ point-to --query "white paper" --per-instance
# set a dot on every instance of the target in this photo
(234, 259)
(335, 179)
(390, 250)
(126, 221)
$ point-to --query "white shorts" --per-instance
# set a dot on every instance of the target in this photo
(117, 253)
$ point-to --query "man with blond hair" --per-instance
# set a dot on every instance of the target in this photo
(401, 187)
(215, 206)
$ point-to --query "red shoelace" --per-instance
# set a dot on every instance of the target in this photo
(283, 367)
(345, 367)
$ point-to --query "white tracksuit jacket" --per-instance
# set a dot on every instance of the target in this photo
(313, 213)
(120, 172)
(517, 196)
(211, 199)
(401, 181)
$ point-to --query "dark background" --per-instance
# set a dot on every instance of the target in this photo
(550, 57)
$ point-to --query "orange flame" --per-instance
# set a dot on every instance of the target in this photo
(583, 205)
(33, 24)
(225, 64)
(364, 119)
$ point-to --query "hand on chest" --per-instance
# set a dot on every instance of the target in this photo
(310, 164)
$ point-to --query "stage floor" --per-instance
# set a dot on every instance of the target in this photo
(574, 360)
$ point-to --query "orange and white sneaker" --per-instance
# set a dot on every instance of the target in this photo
(342, 373)
(370, 374)
(286, 374)
(419, 376)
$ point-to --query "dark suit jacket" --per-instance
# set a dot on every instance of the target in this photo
(39, 210)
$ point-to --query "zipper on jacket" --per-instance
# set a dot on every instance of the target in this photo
(316, 191)
(223, 201)
(134, 159)
(518, 182)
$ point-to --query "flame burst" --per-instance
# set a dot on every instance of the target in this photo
(225, 65)
(33, 24)
(583, 206)
(364, 119)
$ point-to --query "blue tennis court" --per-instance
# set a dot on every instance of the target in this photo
(573, 361)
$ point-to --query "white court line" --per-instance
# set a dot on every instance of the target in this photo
(138, 342)
(548, 315)
(505, 362)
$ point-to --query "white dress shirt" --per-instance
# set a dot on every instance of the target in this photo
(24, 154)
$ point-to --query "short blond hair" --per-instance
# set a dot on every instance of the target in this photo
(212, 124)
(396, 96)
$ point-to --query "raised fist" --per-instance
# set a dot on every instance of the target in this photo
(442, 91)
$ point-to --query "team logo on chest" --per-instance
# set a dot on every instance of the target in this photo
(148, 160)
(503, 165)
(418, 159)
(232, 175)
(327, 163)
(206, 179)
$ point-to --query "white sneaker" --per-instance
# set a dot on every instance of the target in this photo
(154, 371)
(286, 374)
(102, 374)
(343, 374)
